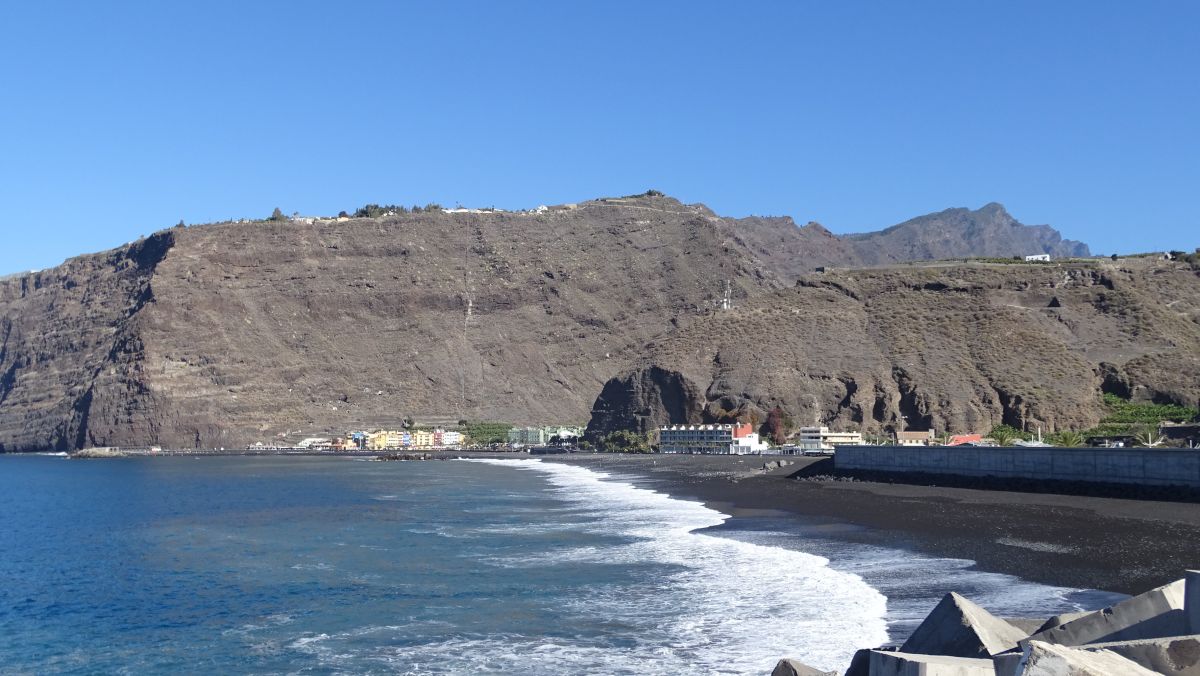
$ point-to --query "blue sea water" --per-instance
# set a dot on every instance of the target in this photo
(331, 565)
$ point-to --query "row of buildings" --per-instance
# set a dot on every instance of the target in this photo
(736, 439)
(387, 440)
(740, 439)
(541, 436)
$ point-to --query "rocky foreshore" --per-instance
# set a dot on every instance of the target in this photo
(95, 453)
(1157, 632)
(403, 457)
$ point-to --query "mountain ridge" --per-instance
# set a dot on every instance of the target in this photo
(225, 334)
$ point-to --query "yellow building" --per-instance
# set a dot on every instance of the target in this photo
(377, 441)
(422, 439)
(393, 439)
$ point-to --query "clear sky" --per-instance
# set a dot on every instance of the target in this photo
(121, 118)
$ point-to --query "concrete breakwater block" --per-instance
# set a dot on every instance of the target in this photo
(1191, 601)
(957, 627)
(1172, 655)
(789, 667)
(1154, 614)
(1047, 659)
(909, 664)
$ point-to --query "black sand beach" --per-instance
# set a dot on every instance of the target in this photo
(1125, 546)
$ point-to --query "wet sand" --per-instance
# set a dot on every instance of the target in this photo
(1125, 546)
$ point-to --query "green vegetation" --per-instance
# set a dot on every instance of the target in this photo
(277, 215)
(1006, 434)
(376, 210)
(1147, 436)
(1128, 418)
(1067, 438)
(1192, 259)
(483, 432)
(624, 441)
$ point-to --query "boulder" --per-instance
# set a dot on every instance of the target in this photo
(1154, 614)
(789, 667)
(885, 663)
(1047, 659)
(959, 628)
(1059, 620)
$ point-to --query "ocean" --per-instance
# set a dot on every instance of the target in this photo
(336, 565)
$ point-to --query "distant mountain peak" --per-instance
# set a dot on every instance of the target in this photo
(817, 229)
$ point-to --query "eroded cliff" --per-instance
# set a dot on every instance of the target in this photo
(226, 334)
(951, 348)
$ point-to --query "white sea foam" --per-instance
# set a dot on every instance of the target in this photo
(732, 604)
(731, 607)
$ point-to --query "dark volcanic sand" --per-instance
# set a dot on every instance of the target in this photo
(1125, 546)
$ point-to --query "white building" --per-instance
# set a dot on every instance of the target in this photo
(1045, 258)
(914, 438)
(451, 438)
(706, 439)
(748, 445)
(821, 440)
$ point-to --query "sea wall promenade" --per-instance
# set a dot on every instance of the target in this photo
(1142, 466)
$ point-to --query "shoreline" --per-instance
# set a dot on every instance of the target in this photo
(1084, 542)
(1108, 544)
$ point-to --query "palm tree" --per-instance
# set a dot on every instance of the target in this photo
(1149, 439)
(1003, 435)
(1068, 438)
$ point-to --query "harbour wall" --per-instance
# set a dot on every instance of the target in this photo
(1141, 466)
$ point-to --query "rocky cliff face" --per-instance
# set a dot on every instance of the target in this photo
(71, 358)
(227, 334)
(947, 348)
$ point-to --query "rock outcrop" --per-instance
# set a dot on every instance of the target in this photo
(956, 349)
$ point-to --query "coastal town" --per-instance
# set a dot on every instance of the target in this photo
(434, 438)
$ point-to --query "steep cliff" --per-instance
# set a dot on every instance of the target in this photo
(954, 349)
(227, 334)
(71, 354)
(256, 330)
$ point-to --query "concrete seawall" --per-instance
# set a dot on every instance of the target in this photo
(1141, 466)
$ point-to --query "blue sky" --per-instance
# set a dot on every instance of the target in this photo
(118, 119)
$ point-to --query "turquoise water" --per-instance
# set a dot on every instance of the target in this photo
(328, 565)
